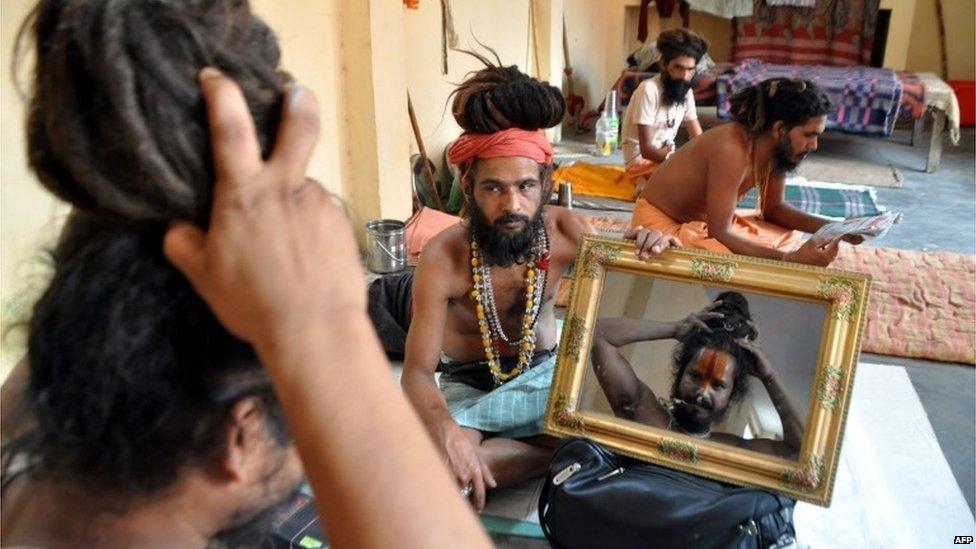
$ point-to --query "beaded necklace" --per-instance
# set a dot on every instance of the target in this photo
(489, 323)
(760, 184)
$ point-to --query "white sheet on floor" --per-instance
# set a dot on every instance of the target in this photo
(519, 502)
(894, 487)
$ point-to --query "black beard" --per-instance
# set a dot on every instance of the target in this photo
(257, 530)
(783, 159)
(499, 248)
(674, 91)
(687, 421)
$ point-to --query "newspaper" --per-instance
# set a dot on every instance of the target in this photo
(869, 227)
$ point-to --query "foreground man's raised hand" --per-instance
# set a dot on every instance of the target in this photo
(279, 267)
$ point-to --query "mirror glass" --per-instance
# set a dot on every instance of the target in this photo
(734, 367)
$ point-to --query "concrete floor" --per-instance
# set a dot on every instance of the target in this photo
(939, 215)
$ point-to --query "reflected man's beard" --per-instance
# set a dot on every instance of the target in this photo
(685, 417)
(784, 160)
(498, 247)
(675, 91)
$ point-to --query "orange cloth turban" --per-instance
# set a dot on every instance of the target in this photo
(506, 143)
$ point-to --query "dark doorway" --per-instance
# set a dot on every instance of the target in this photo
(880, 38)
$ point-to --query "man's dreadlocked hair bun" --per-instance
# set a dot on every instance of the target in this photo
(736, 317)
(117, 123)
(497, 98)
(792, 101)
(681, 42)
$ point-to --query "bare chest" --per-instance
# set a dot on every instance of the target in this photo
(508, 296)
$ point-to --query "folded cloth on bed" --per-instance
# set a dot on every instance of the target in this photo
(864, 100)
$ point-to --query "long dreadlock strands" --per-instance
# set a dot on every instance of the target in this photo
(497, 98)
(123, 73)
(793, 101)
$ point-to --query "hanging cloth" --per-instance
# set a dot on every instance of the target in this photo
(793, 3)
(726, 9)
(642, 20)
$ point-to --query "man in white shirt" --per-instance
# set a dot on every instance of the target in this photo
(659, 104)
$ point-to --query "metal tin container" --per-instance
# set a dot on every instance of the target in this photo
(386, 250)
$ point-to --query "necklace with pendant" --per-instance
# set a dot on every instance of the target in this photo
(761, 184)
(493, 335)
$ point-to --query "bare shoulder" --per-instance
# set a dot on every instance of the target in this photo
(727, 154)
(444, 254)
(567, 223)
(727, 144)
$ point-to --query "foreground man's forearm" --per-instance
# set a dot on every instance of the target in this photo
(350, 443)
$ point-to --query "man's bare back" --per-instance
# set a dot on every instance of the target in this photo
(679, 187)
(462, 337)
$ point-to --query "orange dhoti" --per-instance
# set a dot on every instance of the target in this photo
(694, 234)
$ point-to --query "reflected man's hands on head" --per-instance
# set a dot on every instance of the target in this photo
(763, 369)
(650, 242)
(695, 321)
(279, 254)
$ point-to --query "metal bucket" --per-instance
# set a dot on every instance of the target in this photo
(386, 249)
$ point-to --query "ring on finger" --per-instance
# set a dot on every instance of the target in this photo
(466, 490)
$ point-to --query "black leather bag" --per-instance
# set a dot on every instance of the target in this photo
(595, 498)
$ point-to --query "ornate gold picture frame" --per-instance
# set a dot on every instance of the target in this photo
(833, 349)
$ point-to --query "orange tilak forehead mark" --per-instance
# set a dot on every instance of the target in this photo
(712, 366)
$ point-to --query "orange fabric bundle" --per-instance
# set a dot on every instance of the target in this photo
(596, 180)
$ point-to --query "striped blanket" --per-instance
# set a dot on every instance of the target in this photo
(824, 199)
(865, 100)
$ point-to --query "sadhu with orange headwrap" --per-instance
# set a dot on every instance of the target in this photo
(482, 294)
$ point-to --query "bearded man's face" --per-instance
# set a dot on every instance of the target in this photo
(505, 201)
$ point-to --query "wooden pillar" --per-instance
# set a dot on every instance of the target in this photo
(376, 145)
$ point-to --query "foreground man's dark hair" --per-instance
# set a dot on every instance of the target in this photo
(131, 376)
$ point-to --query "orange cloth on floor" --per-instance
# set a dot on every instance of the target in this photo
(694, 234)
(641, 167)
(596, 180)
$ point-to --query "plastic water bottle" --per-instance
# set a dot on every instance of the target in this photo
(608, 127)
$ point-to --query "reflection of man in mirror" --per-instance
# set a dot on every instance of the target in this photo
(715, 354)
